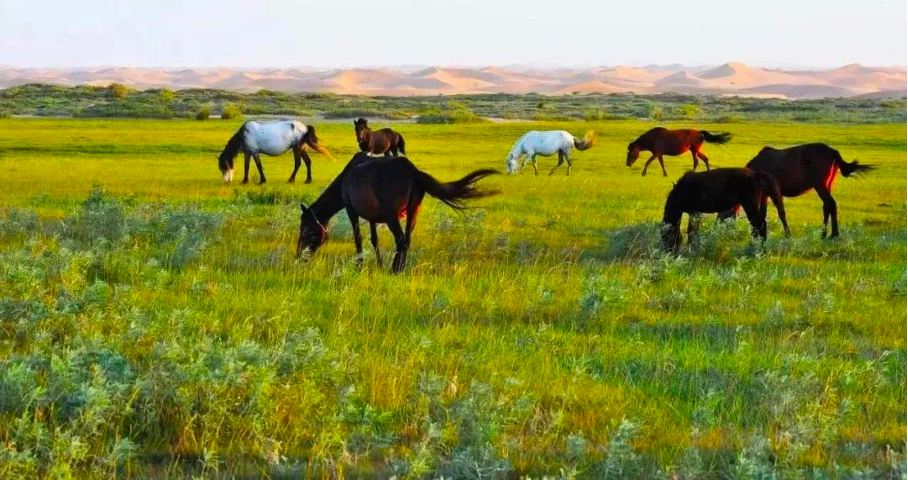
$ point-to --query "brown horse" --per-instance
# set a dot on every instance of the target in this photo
(799, 169)
(381, 191)
(661, 141)
(385, 142)
(718, 190)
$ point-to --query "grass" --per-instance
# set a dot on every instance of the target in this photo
(154, 322)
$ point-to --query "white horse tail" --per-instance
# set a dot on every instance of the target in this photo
(588, 141)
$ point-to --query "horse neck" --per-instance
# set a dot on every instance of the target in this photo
(329, 202)
(645, 141)
(672, 213)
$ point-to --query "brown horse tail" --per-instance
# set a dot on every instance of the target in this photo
(718, 138)
(454, 193)
(588, 141)
(851, 168)
(311, 139)
(771, 189)
(401, 145)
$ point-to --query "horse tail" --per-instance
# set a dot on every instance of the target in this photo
(588, 141)
(718, 138)
(401, 144)
(771, 189)
(851, 168)
(454, 193)
(311, 139)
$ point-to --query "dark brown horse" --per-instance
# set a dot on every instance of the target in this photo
(381, 191)
(385, 142)
(718, 190)
(661, 141)
(799, 169)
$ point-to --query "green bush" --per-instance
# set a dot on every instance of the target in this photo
(167, 95)
(203, 113)
(230, 111)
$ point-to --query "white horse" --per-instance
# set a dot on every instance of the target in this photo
(547, 143)
(272, 139)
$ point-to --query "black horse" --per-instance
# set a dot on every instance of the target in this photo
(718, 190)
(799, 169)
(381, 190)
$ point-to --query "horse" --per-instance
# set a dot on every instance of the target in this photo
(385, 142)
(381, 190)
(547, 143)
(718, 190)
(272, 139)
(802, 168)
(661, 141)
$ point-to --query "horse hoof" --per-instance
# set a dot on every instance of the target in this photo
(308, 180)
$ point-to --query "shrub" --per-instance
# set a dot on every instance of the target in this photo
(203, 113)
(118, 90)
(230, 111)
(687, 110)
(167, 95)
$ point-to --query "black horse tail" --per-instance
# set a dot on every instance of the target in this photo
(454, 193)
(401, 144)
(771, 189)
(718, 138)
(851, 168)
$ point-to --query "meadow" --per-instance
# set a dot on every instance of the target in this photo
(155, 322)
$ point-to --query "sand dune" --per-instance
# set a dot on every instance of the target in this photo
(731, 78)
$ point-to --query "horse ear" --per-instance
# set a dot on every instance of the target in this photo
(303, 207)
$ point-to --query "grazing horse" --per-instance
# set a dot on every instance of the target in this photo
(661, 141)
(382, 191)
(718, 190)
(272, 139)
(547, 143)
(799, 169)
(385, 142)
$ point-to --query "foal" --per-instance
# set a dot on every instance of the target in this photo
(381, 190)
(661, 141)
(385, 142)
(718, 190)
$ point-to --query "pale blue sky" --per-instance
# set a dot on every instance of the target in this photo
(330, 33)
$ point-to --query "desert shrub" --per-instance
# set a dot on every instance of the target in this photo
(167, 94)
(687, 110)
(203, 113)
(19, 221)
(230, 111)
(100, 218)
(118, 90)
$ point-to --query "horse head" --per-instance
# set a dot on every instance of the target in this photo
(312, 232)
(633, 152)
(225, 164)
(361, 125)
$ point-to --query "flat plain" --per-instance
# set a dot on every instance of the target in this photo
(154, 321)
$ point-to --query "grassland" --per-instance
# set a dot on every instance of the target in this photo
(154, 321)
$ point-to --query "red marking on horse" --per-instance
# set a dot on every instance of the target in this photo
(403, 211)
(830, 177)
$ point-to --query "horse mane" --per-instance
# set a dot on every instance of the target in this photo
(519, 142)
(234, 145)
(648, 136)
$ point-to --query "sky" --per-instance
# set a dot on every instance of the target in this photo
(354, 33)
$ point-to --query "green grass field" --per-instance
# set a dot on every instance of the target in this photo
(154, 321)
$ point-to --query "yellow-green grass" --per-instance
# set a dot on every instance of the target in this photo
(543, 334)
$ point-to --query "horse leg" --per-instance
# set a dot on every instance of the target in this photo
(693, 228)
(400, 245)
(296, 164)
(567, 158)
(662, 164)
(560, 161)
(830, 210)
(704, 158)
(752, 209)
(308, 162)
(357, 236)
(373, 231)
(535, 165)
(646, 165)
(246, 168)
(693, 153)
(258, 164)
